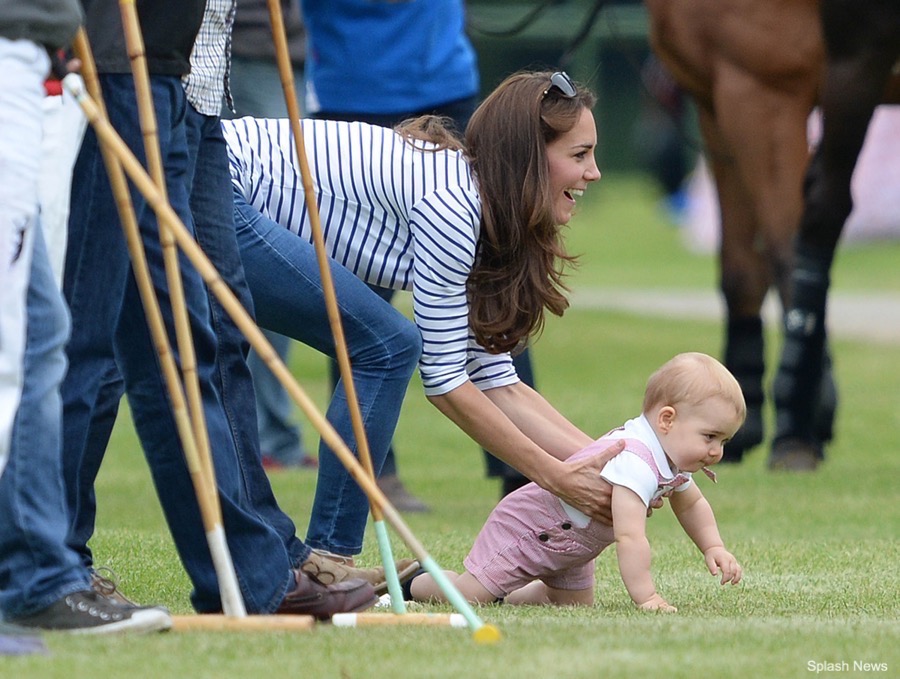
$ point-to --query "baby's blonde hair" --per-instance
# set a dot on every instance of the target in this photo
(691, 378)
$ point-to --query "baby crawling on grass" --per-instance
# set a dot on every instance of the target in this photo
(536, 549)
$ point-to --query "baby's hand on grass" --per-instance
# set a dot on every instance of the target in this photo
(657, 603)
(719, 559)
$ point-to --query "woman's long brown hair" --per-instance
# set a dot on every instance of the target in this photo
(519, 266)
(519, 270)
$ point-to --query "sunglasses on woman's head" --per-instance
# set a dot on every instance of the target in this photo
(562, 82)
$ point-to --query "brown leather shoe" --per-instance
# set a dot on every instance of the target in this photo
(326, 568)
(311, 597)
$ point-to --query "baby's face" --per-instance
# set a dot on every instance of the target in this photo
(697, 434)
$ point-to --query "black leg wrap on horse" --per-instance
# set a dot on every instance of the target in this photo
(828, 401)
(744, 357)
(797, 383)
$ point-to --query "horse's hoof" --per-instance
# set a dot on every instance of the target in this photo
(795, 455)
(746, 438)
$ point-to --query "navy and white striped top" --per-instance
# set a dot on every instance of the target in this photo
(397, 215)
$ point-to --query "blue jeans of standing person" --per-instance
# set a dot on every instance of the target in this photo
(212, 207)
(37, 569)
(109, 328)
(384, 347)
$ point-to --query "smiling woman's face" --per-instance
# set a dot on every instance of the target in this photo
(572, 165)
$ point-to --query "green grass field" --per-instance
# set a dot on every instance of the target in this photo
(820, 551)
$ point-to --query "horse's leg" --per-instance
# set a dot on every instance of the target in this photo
(764, 126)
(743, 280)
(862, 42)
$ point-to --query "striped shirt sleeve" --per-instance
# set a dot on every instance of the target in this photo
(445, 225)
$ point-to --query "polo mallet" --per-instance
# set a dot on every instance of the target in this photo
(382, 620)
(134, 43)
(207, 497)
(343, 357)
(482, 633)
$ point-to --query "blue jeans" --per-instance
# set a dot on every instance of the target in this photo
(279, 434)
(256, 90)
(37, 568)
(384, 348)
(110, 330)
(212, 207)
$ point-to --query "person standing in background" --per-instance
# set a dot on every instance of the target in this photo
(256, 91)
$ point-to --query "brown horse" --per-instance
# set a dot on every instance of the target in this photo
(754, 68)
(862, 42)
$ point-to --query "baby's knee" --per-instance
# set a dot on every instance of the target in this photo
(571, 597)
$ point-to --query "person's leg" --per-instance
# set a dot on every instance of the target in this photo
(536, 593)
(425, 588)
(23, 66)
(94, 276)
(258, 552)
(37, 568)
(64, 126)
(212, 207)
(265, 563)
(279, 435)
(43, 583)
(256, 90)
(82, 503)
(389, 468)
(384, 348)
(389, 479)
